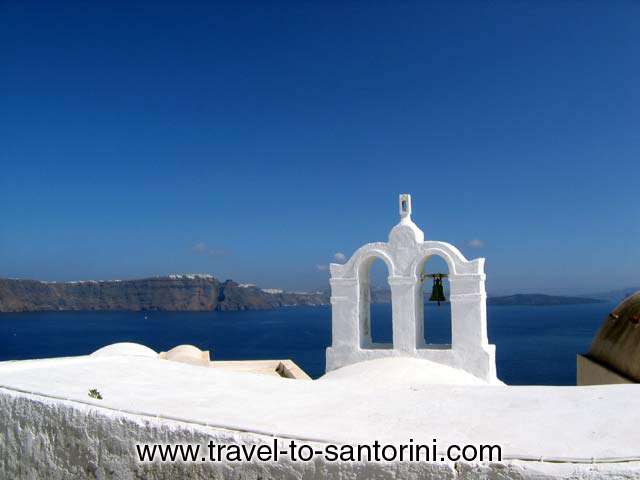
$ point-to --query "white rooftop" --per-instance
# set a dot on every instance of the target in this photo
(391, 400)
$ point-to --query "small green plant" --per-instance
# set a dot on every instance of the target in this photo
(94, 393)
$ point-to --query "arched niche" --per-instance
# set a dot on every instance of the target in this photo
(456, 263)
(366, 261)
(434, 321)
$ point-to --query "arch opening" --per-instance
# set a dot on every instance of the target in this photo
(376, 328)
(436, 319)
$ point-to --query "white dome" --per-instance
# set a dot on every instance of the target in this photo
(390, 370)
(125, 348)
(187, 354)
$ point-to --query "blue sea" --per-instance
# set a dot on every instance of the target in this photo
(534, 345)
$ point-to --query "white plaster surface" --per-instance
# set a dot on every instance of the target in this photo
(187, 354)
(125, 348)
(44, 405)
(404, 255)
(398, 370)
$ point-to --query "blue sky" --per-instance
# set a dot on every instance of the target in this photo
(256, 140)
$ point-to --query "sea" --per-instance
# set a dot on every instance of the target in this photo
(535, 345)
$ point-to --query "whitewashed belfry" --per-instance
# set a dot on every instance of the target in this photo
(405, 255)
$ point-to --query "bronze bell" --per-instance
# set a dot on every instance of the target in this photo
(437, 294)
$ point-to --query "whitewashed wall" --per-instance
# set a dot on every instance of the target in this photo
(44, 438)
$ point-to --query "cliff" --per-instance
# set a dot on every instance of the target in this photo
(175, 293)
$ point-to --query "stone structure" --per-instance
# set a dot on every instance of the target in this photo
(614, 356)
(405, 255)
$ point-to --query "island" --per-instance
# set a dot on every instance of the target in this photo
(194, 292)
(538, 299)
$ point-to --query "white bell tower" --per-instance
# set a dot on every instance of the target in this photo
(405, 254)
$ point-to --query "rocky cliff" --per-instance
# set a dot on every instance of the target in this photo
(175, 293)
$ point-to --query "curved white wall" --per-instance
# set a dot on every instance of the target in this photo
(54, 439)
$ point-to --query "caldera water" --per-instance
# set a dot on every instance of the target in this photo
(534, 344)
